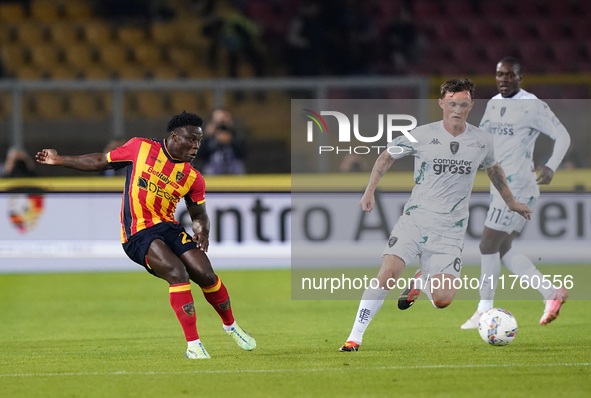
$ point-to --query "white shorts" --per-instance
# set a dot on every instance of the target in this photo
(500, 218)
(437, 254)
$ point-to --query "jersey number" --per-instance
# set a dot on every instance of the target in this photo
(186, 239)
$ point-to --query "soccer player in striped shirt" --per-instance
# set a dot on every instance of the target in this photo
(159, 173)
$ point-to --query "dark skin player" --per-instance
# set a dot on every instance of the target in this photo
(508, 78)
(182, 143)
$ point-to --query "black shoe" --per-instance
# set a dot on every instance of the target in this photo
(407, 298)
(349, 346)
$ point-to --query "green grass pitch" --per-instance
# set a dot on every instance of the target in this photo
(115, 335)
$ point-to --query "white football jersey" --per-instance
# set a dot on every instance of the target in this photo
(515, 124)
(445, 168)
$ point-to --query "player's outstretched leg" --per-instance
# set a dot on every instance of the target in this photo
(409, 295)
(217, 296)
(553, 305)
(181, 301)
(490, 269)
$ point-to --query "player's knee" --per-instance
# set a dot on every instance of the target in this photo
(488, 246)
(205, 278)
(442, 303)
(174, 275)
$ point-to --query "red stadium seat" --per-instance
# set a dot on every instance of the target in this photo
(566, 51)
(448, 31)
(581, 29)
(549, 29)
(494, 9)
(534, 54)
(497, 50)
(560, 9)
(482, 30)
(516, 29)
(527, 8)
(465, 53)
(460, 8)
(426, 9)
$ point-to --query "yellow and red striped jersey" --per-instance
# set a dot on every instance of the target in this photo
(155, 182)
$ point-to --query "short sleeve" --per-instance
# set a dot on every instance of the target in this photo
(545, 121)
(489, 158)
(401, 146)
(124, 155)
(196, 194)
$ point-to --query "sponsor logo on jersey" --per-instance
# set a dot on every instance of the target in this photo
(502, 128)
(454, 146)
(144, 183)
(476, 144)
(435, 141)
(452, 166)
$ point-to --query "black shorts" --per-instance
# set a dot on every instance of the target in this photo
(173, 235)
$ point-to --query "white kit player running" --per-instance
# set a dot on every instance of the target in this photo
(515, 118)
(435, 218)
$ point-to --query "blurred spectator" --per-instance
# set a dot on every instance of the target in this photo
(241, 38)
(305, 41)
(401, 43)
(219, 117)
(222, 153)
(19, 164)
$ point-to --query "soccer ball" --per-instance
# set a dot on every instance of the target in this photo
(497, 326)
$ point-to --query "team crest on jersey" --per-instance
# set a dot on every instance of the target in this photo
(179, 176)
(503, 109)
(454, 146)
(392, 241)
(189, 309)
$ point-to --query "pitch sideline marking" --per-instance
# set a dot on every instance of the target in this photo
(124, 373)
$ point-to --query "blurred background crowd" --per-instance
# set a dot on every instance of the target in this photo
(248, 129)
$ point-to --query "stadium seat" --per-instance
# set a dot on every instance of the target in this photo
(448, 31)
(426, 9)
(5, 35)
(497, 50)
(199, 71)
(165, 73)
(461, 8)
(98, 72)
(482, 30)
(44, 11)
(465, 53)
(84, 105)
(148, 55)
(566, 51)
(164, 33)
(98, 33)
(527, 8)
(550, 30)
(151, 105)
(64, 33)
(581, 29)
(5, 105)
(181, 57)
(131, 36)
(191, 33)
(131, 72)
(45, 56)
(12, 57)
(114, 55)
(63, 72)
(28, 72)
(48, 106)
(79, 11)
(515, 29)
(31, 34)
(79, 56)
(493, 9)
(12, 12)
(183, 100)
(533, 54)
(560, 9)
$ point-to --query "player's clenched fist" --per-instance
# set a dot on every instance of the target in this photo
(47, 156)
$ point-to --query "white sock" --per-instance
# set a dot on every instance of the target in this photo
(490, 265)
(427, 288)
(519, 264)
(228, 328)
(371, 302)
(193, 343)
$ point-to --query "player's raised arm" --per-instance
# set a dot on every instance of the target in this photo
(497, 177)
(382, 164)
(90, 162)
(200, 225)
